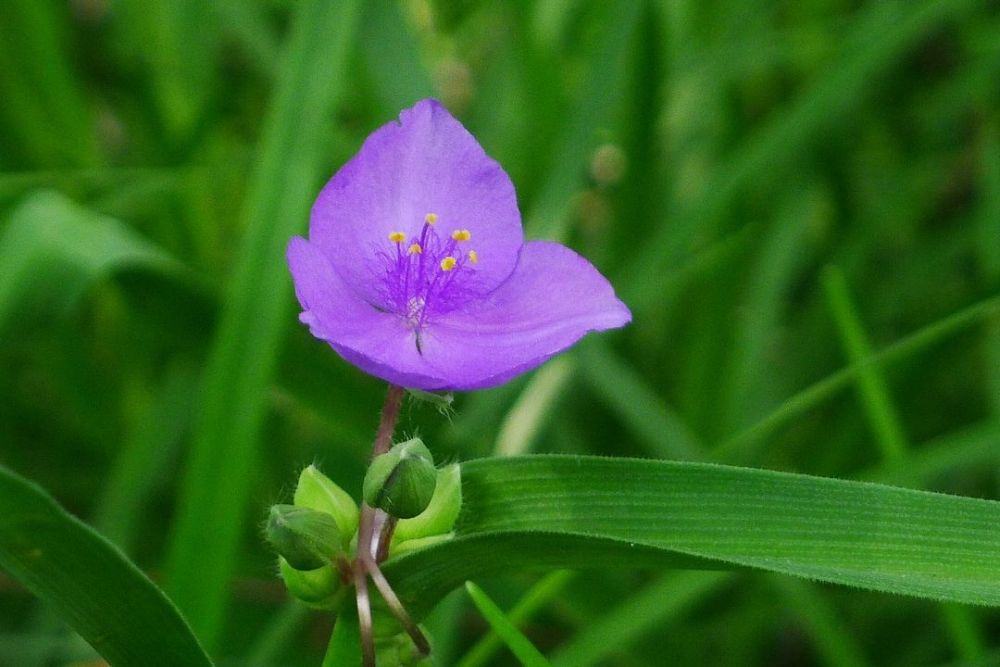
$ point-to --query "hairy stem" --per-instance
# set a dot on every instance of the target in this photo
(387, 425)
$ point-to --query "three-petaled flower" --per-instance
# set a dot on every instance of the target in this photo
(416, 269)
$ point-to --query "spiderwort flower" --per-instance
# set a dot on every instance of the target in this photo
(416, 269)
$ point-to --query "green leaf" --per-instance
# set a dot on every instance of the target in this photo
(518, 644)
(46, 116)
(880, 36)
(564, 511)
(547, 217)
(212, 507)
(872, 386)
(742, 445)
(52, 250)
(89, 583)
(176, 44)
(654, 606)
(541, 594)
(345, 642)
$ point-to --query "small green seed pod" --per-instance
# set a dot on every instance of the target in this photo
(442, 512)
(307, 539)
(401, 482)
(320, 588)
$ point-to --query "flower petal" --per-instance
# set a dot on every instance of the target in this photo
(330, 307)
(553, 298)
(375, 341)
(425, 163)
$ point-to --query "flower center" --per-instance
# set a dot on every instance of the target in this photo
(428, 275)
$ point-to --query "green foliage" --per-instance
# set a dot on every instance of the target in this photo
(799, 201)
(518, 644)
(52, 251)
(244, 353)
(89, 582)
(525, 510)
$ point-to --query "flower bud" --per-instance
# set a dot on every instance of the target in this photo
(442, 512)
(307, 539)
(320, 588)
(316, 491)
(401, 482)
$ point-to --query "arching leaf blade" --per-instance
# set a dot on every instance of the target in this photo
(90, 583)
(565, 511)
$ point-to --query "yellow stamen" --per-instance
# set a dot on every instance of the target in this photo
(473, 256)
(397, 237)
(448, 263)
(431, 218)
(415, 249)
(461, 235)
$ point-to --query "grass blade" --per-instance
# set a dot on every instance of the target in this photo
(889, 434)
(740, 447)
(146, 456)
(833, 641)
(519, 645)
(638, 405)
(881, 36)
(548, 217)
(45, 112)
(211, 515)
(526, 418)
(654, 606)
(540, 594)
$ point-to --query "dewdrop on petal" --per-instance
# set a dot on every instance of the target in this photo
(401, 482)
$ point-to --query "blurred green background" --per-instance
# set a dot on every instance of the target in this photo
(781, 191)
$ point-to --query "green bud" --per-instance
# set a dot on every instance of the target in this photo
(316, 491)
(307, 539)
(440, 516)
(320, 588)
(402, 480)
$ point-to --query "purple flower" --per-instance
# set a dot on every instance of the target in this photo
(416, 269)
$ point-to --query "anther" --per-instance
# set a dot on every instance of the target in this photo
(397, 237)
(473, 256)
(414, 249)
(448, 263)
(431, 218)
(461, 235)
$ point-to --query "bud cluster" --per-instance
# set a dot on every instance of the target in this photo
(315, 535)
(312, 538)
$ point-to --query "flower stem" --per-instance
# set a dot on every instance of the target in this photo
(373, 544)
(364, 617)
(387, 425)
